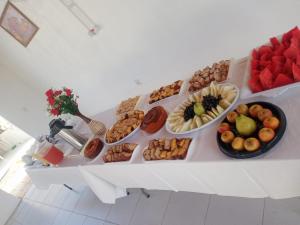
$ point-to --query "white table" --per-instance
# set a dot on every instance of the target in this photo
(275, 174)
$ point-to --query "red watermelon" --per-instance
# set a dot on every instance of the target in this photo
(296, 72)
(277, 64)
(274, 41)
(282, 80)
(255, 86)
(266, 79)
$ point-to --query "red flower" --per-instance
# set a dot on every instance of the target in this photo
(58, 92)
(54, 112)
(51, 101)
(49, 93)
(68, 91)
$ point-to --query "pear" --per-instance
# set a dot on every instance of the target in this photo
(245, 125)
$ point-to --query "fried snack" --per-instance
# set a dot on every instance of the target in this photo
(123, 127)
(202, 78)
(159, 149)
(118, 153)
(127, 105)
(166, 91)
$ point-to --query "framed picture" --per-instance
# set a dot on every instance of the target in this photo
(17, 24)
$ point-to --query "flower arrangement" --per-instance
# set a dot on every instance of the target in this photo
(61, 102)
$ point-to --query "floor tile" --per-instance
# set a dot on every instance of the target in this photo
(88, 204)
(122, 211)
(150, 211)
(186, 208)
(234, 211)
(47, 214)
(76, 219)
(279, 212)
(62, 217)
(29, 192)
(60, 197)
(92, 221)
(23, 210)
(52, 193)
(71, 200)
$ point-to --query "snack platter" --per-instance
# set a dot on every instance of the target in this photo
(174, 114)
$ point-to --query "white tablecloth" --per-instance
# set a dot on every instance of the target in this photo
(275, 174)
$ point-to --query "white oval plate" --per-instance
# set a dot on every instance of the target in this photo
(188, 156)
(124, 138)
(210, 122)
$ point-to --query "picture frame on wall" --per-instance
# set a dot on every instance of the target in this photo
(17, 24)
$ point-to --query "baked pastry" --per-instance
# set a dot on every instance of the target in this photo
(118, 153)
(93, 148)
(202, 78)
(167, 149)
(166, 91)
(123, 127)
(127, 105)
(154, 120)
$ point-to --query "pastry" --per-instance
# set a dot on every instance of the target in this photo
(93, 148)
(154, 120)
(167, 149)
(123, 127)
(117, 153)
(217, 72)
(127, 105)
(166, 91)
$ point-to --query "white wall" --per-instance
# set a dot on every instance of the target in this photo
(155, 41)
(21, 104)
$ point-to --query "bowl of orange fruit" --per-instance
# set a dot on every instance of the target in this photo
(251, 130)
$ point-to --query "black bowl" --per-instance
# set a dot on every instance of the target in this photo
(265, 147)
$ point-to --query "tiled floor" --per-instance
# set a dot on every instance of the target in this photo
(59, 206)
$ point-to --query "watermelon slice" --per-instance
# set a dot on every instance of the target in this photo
(287, 68)
(255, 85)
(254, 64)
(255, 54)
(266, 78)
(264, 49)
(298, 59)
(274, 41)
(296, 72)
(282, 80)
(279, 50)
(291, 52)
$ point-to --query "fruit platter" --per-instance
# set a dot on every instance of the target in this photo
(274, 67)
(167, 149)
(202, 108)
(251, 130)
(125, 127)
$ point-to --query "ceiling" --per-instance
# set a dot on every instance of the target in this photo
(147, 42)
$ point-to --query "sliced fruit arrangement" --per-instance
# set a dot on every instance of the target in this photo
(277, 63)
(202, 107)
(251, 128)
(166, 91)
(202, 78)
(166, 149)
